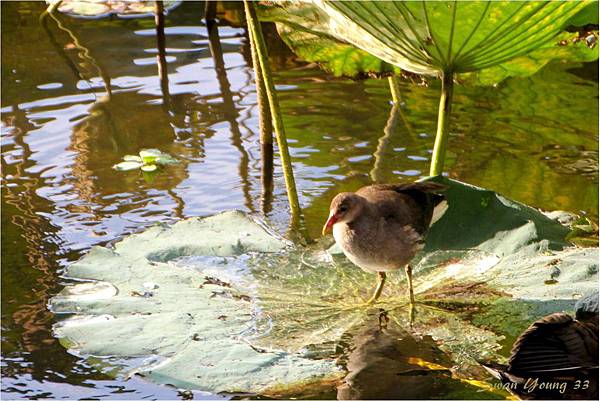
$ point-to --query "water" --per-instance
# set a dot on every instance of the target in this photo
(534, 140)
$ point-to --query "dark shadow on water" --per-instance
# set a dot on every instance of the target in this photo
(390, 362)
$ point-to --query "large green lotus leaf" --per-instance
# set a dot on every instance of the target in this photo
(301, 27)
(566, 47)
(588, 15)
(223, 304)
(428, 37)
(306, 30)
(194, 320)
(341, 59)
(510, 246)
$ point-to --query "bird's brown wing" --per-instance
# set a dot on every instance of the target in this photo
(409, 187)
(553, 343)
(406, 204)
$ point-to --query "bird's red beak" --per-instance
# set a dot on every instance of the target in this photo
(330, 222)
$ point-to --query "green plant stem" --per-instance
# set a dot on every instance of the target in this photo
(441, 137)
(264, 114)
(258, 42)
(265, 127)
(394, 88)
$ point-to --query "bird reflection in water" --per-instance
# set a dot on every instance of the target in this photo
(388, 362)
(556, 357)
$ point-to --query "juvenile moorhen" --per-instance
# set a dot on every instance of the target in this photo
(556, 357)
(381, 227)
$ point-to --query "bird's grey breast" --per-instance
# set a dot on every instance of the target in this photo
(358, 244)
(375, 243)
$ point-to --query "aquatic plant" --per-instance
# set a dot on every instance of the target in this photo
(223, 304)
(477, 42)
(265, 82)
(148, 161)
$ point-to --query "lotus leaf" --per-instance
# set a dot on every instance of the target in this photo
(101, 9)
(147, 161)
(588, 15)
(566, 47)
(148, 168)
(149, 155)
(132, 158)
(128, 165)
(223, 304)
(301, 28)
(493, 41)
(440, 36)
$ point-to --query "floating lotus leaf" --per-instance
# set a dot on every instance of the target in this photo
(150, 155)
(165, 159)
(101, 9)
(146, 161)
(223, 304)
(128, 165)
(193, 322)
(133, 158)
(149, 168)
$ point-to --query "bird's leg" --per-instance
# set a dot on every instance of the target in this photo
(380, 282)
(411, 314)
(411, 295)
(383, 319)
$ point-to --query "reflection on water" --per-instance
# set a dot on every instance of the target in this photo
(388, 362)
(78, 96)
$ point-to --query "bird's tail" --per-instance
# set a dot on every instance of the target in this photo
(495, 369)
(438, 211)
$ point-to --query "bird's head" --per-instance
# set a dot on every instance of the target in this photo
(344, 208)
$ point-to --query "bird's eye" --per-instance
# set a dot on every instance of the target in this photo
(343, 208)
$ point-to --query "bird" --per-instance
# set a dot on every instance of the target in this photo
(556, 357)
(381, 227)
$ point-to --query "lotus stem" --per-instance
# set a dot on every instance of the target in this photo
(441, 136)
(159, 21)
(266, 178)
(264, 114)
(210, 11)
(394, 88)
(265, 127)
(257, 41)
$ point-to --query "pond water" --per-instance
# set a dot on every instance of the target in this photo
(78, 97)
